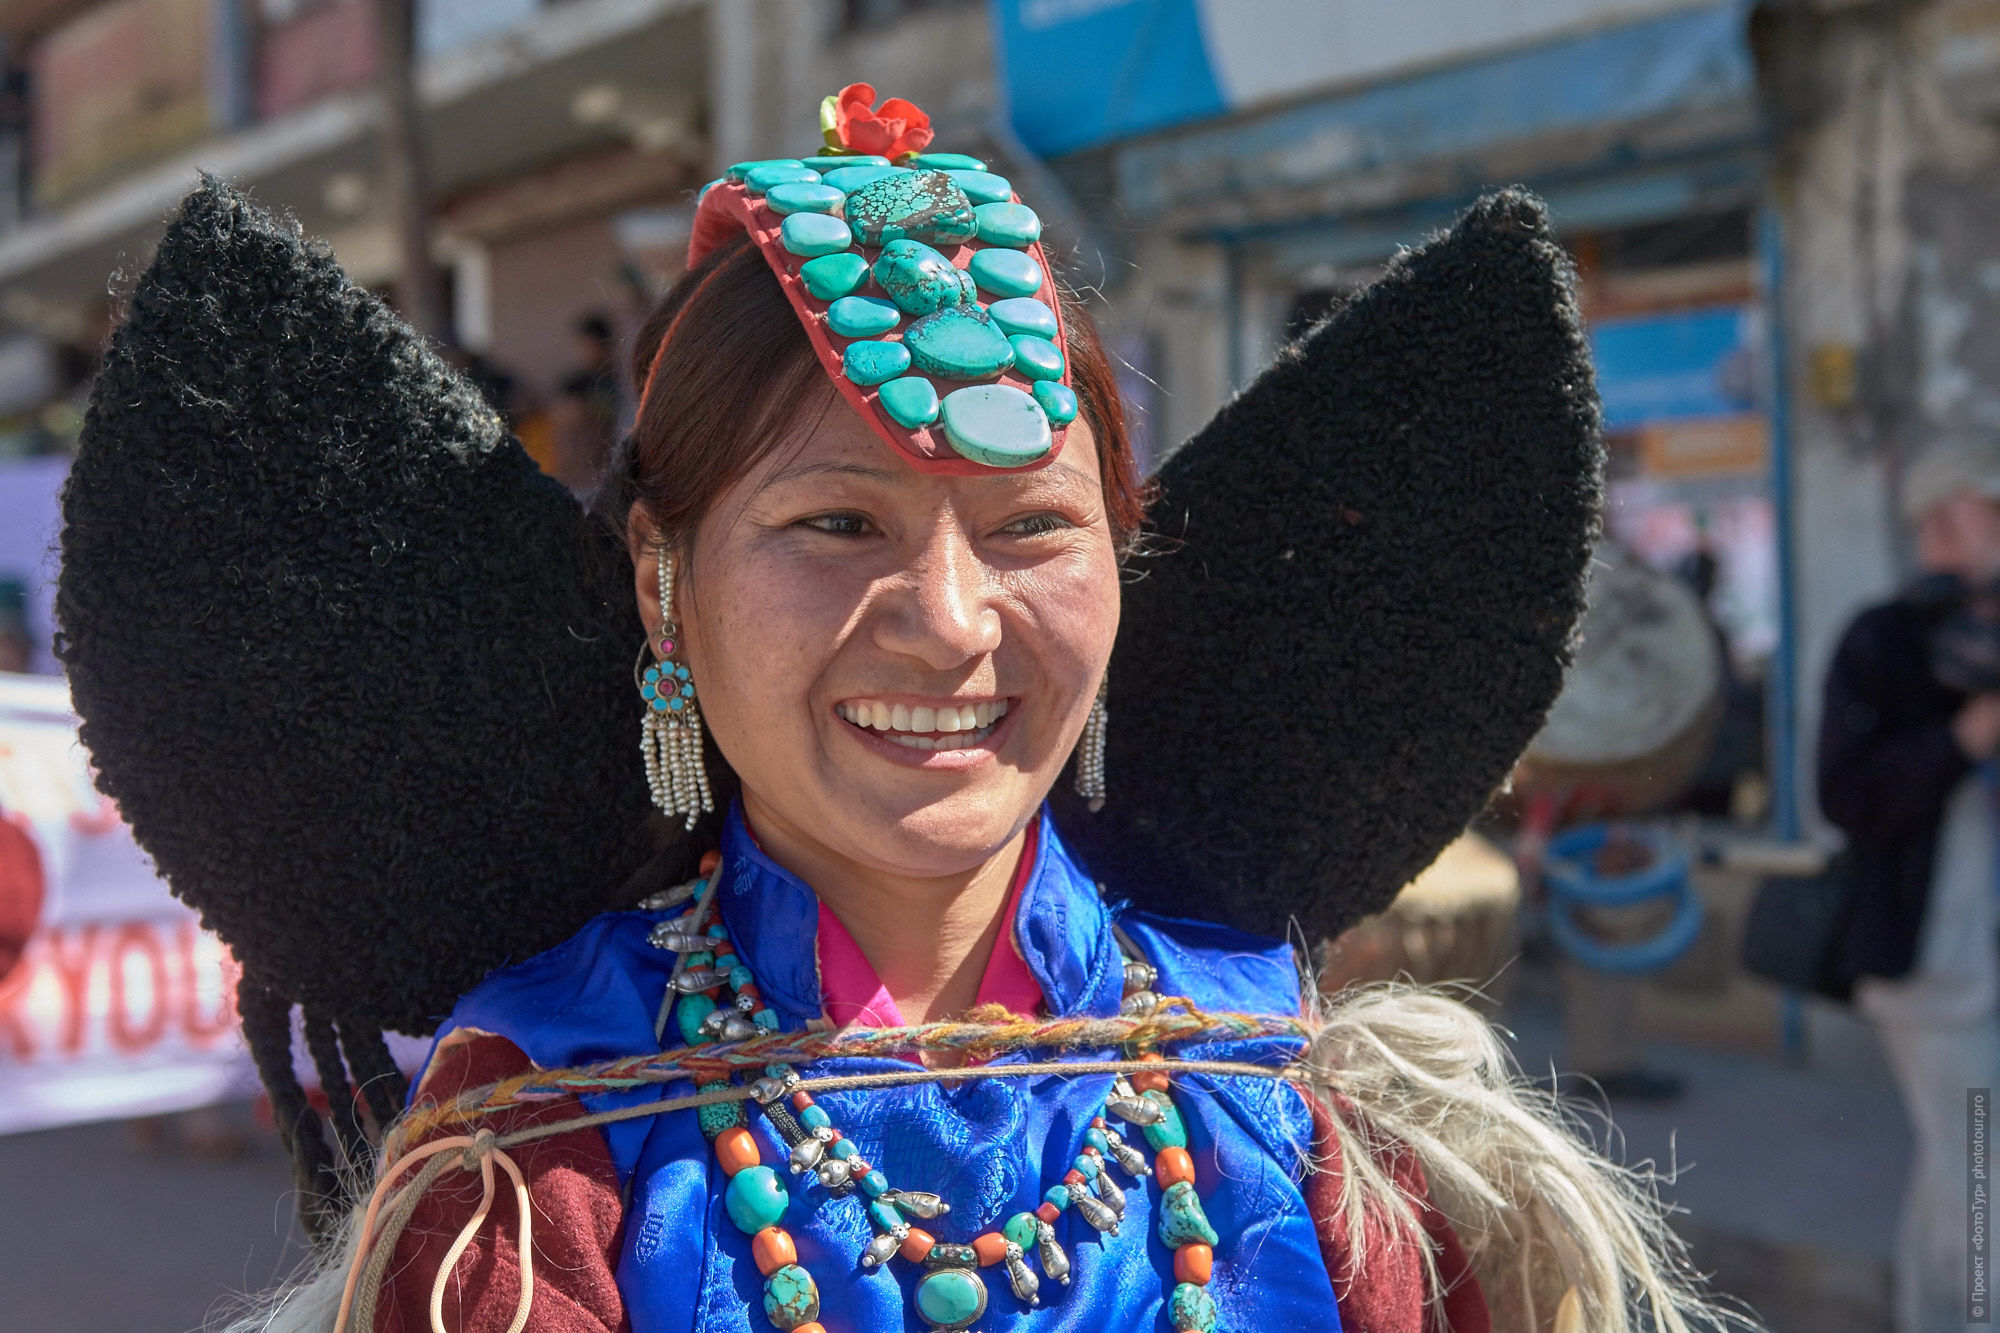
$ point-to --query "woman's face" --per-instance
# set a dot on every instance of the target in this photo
(897, 663)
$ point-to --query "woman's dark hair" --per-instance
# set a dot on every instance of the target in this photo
(722, 363)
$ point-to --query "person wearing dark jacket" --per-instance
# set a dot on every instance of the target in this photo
(1909, 732)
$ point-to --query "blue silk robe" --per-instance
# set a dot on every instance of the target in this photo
(991, 1148)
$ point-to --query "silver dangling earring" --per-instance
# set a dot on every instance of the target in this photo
(1090, 753)
(670, 737)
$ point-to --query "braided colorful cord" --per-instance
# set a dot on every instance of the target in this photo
(981, 1034)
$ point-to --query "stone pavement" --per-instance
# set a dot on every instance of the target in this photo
(101, 1235)
(1790, 1178)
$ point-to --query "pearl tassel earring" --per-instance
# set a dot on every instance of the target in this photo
(1090, 754)
(670, 737)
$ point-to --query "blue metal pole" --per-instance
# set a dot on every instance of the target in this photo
(1783, 688)
(1782, 691)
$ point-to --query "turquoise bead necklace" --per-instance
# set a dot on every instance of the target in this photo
(713, 997)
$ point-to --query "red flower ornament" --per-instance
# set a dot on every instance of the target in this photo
(851, 123)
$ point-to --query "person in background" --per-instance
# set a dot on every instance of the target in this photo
(587, 406)
(1909, 735)
(17, 646)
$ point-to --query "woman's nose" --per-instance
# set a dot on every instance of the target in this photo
(942, 614)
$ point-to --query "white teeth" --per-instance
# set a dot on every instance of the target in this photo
(929, 727)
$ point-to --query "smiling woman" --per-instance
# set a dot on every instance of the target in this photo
(862, 1028)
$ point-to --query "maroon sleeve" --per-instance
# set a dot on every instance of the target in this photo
(1387, 1294)
(572, 1191)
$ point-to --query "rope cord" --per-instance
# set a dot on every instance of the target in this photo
(975, 1035)
(483, 1150)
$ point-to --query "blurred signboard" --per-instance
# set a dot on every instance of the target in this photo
(113, 1001)
(1676, 365)
(124, 82)
(1085, 72)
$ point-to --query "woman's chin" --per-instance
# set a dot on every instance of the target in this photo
(921, 825)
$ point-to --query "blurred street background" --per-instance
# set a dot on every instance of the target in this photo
(1783, 217)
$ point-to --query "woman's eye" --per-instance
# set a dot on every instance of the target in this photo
(1035, 525)
(839, 525)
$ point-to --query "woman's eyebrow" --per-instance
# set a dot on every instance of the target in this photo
(800, 471)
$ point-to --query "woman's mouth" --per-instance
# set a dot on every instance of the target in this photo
(931, 727)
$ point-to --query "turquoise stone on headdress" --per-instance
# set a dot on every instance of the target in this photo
(914, 206)
(921, 280)
(948, 162)
(995, 424)
(803, 197)
(1058, 401)
(850, 179)
(1023, 314)
(765, 178)
(1191, 1309)
(1008, 224)
(741, 170)
(951, 1297)
(982, 187)
(1020, 1229)
(870, 363)
(1182, 1221)
(862, 316)
(1007, 273)
(911, 402)
(835, 162)
(960, 342)
(810, 235)
(831, 277)
(790, 1298)
(1035, 357)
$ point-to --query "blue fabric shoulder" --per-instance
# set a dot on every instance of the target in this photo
(592, 997)
(1216, 967)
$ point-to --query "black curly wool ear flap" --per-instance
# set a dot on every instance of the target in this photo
(1372, 566)
(357, 673)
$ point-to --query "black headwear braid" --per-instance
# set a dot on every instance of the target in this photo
(324, 1044)
(380, 1082)
(267, 1029)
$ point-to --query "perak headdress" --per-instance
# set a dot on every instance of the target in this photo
(360, 676)
(921, 281)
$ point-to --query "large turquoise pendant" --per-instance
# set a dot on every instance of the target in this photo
(951, 1298)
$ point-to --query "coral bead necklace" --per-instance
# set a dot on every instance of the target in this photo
(713, 997)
